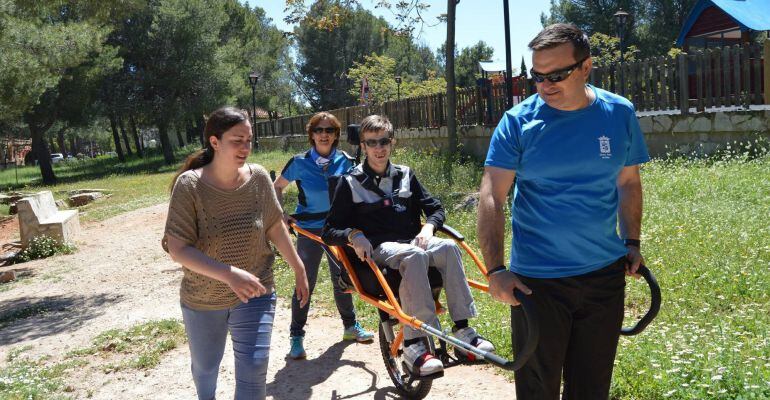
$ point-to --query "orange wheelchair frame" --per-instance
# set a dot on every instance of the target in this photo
(417, 387)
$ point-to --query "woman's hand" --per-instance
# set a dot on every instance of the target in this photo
(288, 219)
(245, 285)
(301, 287)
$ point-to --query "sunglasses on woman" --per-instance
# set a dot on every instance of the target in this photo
(329, 129)
(556, 76)
(378, 142)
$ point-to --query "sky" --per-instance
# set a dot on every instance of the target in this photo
(476, 20)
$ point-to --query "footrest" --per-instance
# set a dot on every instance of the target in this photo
(411, 377)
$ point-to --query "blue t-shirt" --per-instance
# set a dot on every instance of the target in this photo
(312, 182)
(565, 204)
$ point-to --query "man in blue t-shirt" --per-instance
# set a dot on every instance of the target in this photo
(572, 151)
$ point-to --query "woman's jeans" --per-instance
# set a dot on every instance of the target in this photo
(250, 326)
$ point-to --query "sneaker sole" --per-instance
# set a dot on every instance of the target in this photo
(359, 340)
(416, 377)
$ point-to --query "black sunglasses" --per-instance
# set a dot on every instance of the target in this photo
(558, 75)
(378, 142)
(329, 130)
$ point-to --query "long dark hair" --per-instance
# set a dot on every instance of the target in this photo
(218, 122)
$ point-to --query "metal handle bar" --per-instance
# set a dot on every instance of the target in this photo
(654, 303)
(533, 335)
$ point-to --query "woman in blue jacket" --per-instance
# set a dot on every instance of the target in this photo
(310, 171)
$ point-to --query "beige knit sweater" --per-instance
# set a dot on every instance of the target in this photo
(227, 225)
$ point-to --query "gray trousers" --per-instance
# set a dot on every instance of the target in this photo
(310, 253)
(414, 292)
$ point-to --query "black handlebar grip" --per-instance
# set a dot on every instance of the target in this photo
(452, 232)
(654, 303)
(533, 331)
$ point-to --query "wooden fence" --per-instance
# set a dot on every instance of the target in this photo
(736, 76)
(718, 77)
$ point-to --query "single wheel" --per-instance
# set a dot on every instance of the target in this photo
(408, 387)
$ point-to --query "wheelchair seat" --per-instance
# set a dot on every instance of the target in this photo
(371, 286)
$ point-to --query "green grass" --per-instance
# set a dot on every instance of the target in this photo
(138, 347)
(23, 378)
(21, 313)
(705, 236)
(134, 184)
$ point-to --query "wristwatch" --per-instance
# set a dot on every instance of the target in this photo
(632, 242)
(499, 268)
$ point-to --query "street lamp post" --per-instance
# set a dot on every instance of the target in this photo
(508, 62)
(621, 18)
(253, 79)
(398, 99)
(398, 86)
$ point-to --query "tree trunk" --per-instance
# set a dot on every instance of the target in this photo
(135, 133)
(60, 140)
(116, 138)
(451, 95)
(190, 131)
(43, 155)
(73, 147)
(179, 137)
(200, 125)
(273, 118)
(125, 135)
(51, 144)
(165, 143)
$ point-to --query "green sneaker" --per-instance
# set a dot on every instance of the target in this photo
(297, 352)
(357, 333)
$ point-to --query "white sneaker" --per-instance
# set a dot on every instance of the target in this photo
(420, 361)
(469, 335)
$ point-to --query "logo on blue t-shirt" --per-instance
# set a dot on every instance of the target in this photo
(604, 147)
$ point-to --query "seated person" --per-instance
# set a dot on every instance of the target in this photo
(376, 209)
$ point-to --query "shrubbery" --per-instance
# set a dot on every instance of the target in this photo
(43, 247)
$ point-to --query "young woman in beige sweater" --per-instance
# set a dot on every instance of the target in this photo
(222, 214)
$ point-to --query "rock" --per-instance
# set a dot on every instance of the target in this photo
(8, 255)
(7, 276)
(11, 198)
(468, 202)
(82, 199)
(82, 191)
(60, 203)
(701, 124)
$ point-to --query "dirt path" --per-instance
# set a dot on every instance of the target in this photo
(120, 277)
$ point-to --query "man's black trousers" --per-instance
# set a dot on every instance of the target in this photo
(580, 320)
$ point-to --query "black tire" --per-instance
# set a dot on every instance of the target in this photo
(417, 389)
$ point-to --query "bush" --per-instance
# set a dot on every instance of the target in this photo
(43, 247)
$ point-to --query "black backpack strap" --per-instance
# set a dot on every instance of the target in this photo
(310, 216)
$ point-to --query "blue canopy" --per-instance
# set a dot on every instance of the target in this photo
(748, 14)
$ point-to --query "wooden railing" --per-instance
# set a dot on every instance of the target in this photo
(736, 76)
(718, 77)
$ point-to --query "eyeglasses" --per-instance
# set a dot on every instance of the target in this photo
(378, 142)
(329, 129)
(556, 76)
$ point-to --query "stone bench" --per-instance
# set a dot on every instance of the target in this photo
(38, 215)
